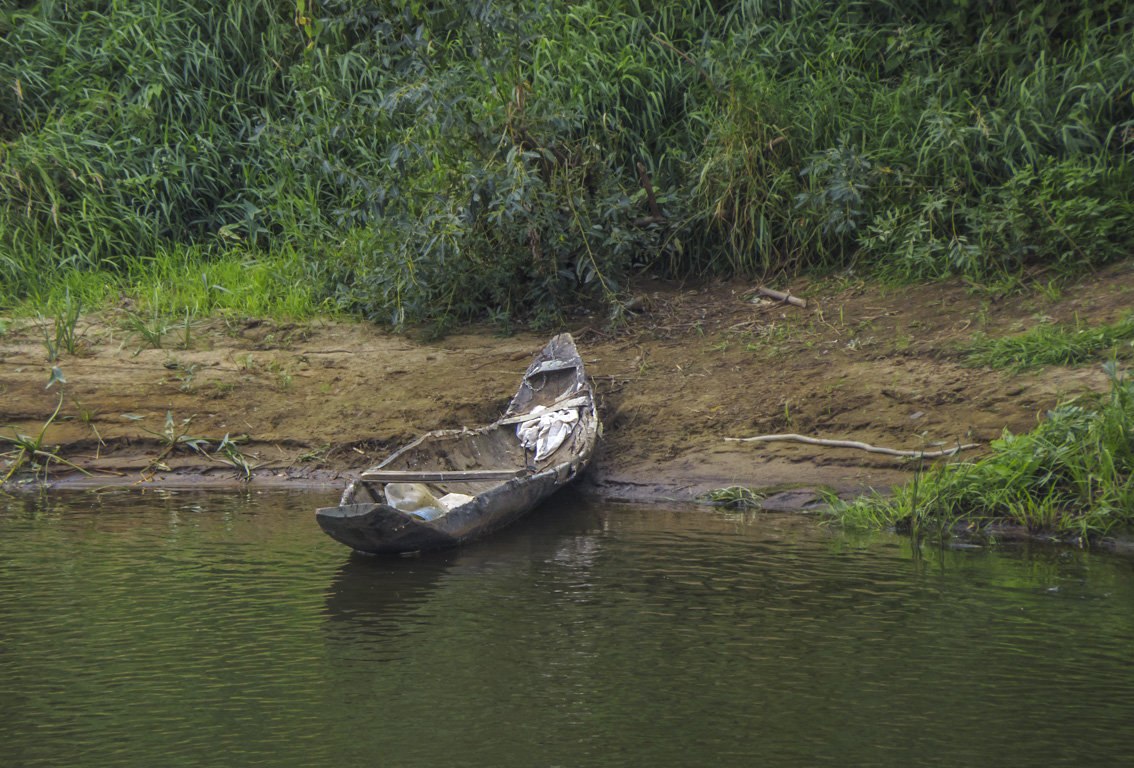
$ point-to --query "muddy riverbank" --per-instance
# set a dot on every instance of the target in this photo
(311, 403)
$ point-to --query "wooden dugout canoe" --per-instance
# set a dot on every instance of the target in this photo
(500, 476)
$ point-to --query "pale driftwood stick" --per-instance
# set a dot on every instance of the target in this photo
(781, 296)
(850, 444)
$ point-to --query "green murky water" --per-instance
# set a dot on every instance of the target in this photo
(179, 629)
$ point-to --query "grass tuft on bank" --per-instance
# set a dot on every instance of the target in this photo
(1054, 344)
(1073, 475)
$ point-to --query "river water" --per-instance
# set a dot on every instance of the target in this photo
(187, 629)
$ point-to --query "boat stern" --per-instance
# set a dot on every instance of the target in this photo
(378, 529)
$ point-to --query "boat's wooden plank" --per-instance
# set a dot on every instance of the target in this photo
(348, 509)
(570, 402)
(553, 365)
(422, 476)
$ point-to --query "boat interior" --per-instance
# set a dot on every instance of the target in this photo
(467, 462)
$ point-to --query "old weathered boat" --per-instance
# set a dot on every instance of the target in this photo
(453, 485)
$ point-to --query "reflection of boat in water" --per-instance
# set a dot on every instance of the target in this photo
(369, 591)
(454, 485)
(383, 595)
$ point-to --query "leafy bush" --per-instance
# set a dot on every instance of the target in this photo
(427, 161)
(1063, 213)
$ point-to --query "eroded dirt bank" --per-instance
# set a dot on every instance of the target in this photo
(317, 401)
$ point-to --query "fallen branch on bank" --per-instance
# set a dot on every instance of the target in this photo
(850, 444)
(781, 296)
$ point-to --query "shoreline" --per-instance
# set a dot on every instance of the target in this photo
(308, 404)
(802, 499)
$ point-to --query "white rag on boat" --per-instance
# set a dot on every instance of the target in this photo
(546, 430)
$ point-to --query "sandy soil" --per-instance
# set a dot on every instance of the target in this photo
(316, 402)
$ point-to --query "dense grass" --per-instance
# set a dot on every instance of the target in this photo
(1072, 475)
(438, 162)
(1054, 344)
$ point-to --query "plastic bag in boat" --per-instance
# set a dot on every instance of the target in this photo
(418, 500)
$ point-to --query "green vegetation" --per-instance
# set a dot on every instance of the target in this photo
(61, 336)
(436, 162)
(1053, 344)
(739, 498)
(228, 453)
(170, 438)
(734, 497)
(174, 436)
(1072, 475)
(30, 449)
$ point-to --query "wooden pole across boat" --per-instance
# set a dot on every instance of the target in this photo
(418, 476)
